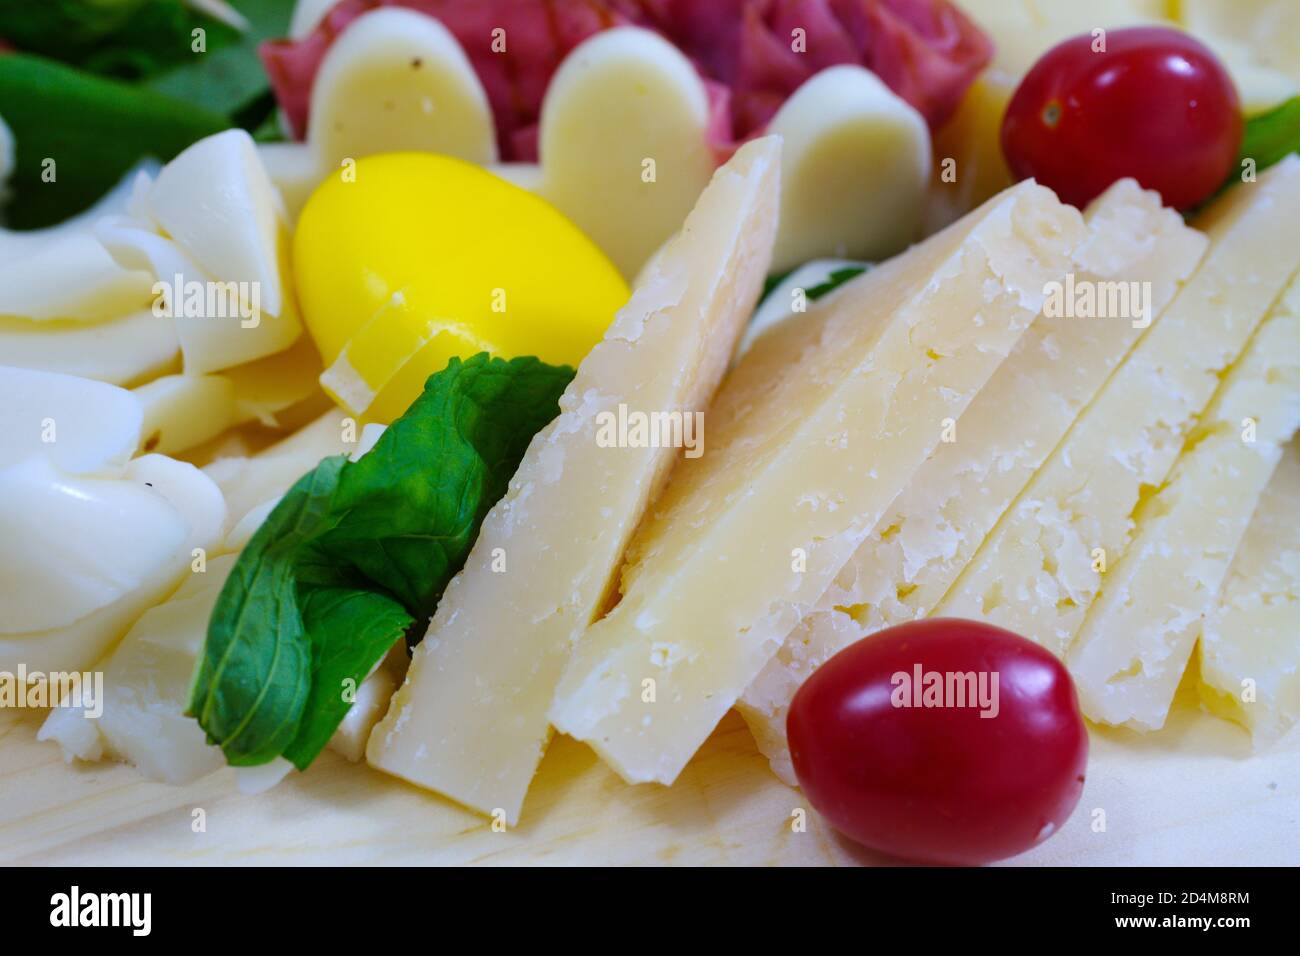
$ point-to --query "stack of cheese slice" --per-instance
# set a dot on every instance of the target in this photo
(814, 434)
(952, 502)
(1138, 636)
(1250, 655)
(1051, 554)
(471, 719)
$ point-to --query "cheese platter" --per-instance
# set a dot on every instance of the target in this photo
(545, 433)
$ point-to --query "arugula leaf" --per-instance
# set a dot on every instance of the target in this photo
(92, 128)
(1270, 137)
(356, 553)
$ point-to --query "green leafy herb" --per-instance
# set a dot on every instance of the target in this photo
(1267, 139)
(834, 281)
(230, 79)
(356, 553)
(76, 135)
(1270, 137)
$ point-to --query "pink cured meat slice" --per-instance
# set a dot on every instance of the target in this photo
(748, 52)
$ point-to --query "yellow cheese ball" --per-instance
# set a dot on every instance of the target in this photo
(409, 259)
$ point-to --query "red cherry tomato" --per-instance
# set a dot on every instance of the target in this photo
(919, 776)
(1157, 105)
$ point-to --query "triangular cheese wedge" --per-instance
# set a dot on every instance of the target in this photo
(470, 721)
(815, 432)
(1044, 564)
(953, 501)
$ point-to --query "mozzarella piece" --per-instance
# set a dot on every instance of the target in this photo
(217, 203)
(146, 690)
(71, 276)
(856, 169)
(1035, 574)
(471, 719)
(1250, 659)
(623, 141)
(181, 411)
(82, 426)
(123, 351)
(812, 436)
(933, 528)
(398, 80)
(69, 546)
(295, 170)
(162, 511)
(1139, 633)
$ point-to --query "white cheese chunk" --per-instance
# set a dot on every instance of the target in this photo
(815, 432)
(1250, 654)
(1041, 568)
(934, 527)
(1130, 654)
(471, 719)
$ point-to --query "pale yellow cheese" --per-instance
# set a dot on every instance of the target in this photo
(934, 527)
(1250, 644)
(1130, 654)
(471, 719)
(816, 431)
(1040, 569)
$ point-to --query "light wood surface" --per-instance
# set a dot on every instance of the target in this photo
(1194, 794)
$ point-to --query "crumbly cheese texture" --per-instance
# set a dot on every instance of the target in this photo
(935, 525)
(814, 433)
(1042, 567)
(1250, 651)
(1138, 635)
(471, 719)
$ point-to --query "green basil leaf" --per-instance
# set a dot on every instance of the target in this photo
(254, 676)
(358, 552)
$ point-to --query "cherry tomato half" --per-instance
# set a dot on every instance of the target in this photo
(924, 775)
(1157, 105)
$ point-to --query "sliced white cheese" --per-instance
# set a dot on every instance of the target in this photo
(856, 169)
(181, 411)
(73, 277)
(1250, 657)
(146, 690)
(1137, 638)
(954, 499)
(471, 719)
(82, 426)
(811, 437)
(69, 545)
(217, 203)
(790, 297)
(398, 80)
(1040, 569)
(162, 510)
(623, 141)
(123, 351)
(296, 170)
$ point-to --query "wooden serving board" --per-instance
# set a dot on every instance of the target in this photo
(1193, 794)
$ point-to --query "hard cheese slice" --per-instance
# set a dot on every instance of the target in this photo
(1250, 644)
(1041, 568)
(815, 432)
(470, 721)
(934, 527)
(1138, 635)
